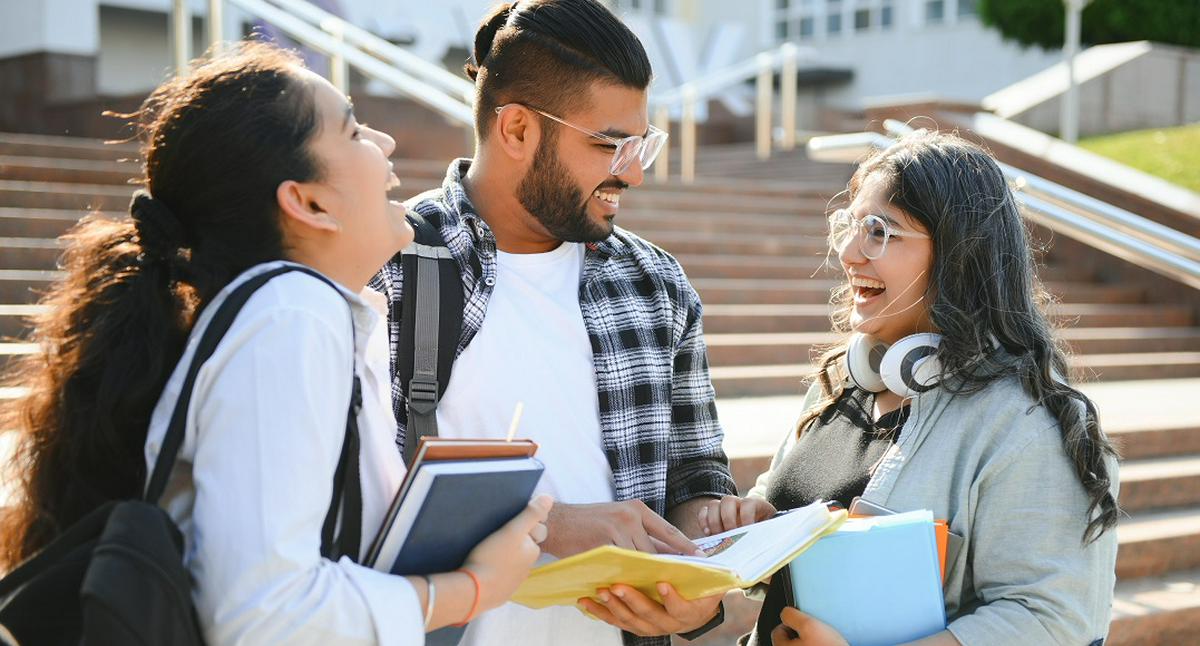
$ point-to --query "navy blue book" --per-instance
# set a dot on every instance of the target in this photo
(456, 494)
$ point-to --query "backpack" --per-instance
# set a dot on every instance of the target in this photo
(117, 576)
(430, 314)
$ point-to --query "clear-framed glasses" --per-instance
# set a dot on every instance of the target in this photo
(625, 150)
(872, 232)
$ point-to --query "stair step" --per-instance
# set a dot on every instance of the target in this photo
(727, 282)
(41, 223)
(1156, 542)
(1151, 441)
(1157, 611)
(83, 171)
(785, 378)
(64, 195)
(799, 347)
(650, 222)
(29, 253)
(1144, 365)
(815, 318)
(71, 148)
(14, 319)
(10, 351)
(1160, 483)
(20, 286)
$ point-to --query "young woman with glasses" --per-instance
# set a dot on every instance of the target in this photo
(251, 163)
(949, 393)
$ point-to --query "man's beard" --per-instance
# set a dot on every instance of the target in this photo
(549, 194)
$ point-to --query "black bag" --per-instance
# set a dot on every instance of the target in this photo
(430, 315)
(117, 577)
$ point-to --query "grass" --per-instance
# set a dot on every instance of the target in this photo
(1170, 153)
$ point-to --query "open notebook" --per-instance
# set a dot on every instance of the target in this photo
(738, 558)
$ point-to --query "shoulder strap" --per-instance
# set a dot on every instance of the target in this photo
(431, 322)
(347, 488)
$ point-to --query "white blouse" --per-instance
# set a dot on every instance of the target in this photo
(254, 476)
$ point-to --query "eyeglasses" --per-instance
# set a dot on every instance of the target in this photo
(625, 150)
(872, 231)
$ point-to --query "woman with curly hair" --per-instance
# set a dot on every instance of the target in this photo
(950, 393)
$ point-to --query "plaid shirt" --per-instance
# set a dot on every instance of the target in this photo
(658, 417)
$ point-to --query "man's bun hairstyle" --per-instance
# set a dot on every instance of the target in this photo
(546, 53)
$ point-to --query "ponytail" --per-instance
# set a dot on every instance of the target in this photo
(113, 330)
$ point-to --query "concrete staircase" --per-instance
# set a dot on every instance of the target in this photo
(754, 249)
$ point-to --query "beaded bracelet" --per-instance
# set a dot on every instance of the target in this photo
(478, 594)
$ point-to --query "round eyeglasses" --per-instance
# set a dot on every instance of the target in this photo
(625, 149)
(872, 232)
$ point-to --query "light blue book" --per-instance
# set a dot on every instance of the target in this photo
(876, 580)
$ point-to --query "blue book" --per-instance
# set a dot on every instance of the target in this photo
(876, 580)
(447, 505)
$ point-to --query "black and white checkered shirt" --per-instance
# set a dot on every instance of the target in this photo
(658, 418)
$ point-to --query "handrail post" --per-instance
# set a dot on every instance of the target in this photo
(687, 136)
(216, 22)
(181, 24)
(662, 166)
(762, 109)
(788, 77)
(339, 71)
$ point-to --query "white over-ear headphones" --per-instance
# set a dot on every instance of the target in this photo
(908, 367)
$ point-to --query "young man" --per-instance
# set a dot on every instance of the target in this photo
(597, 331)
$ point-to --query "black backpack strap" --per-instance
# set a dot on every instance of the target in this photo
(347, 488)
(431, 322)
(347, 491)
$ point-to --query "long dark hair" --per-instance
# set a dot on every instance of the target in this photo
(216, 143)
(547, 52)
(983, 290)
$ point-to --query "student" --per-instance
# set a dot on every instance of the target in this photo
(988, 435)
(251, 162)
(597, 331)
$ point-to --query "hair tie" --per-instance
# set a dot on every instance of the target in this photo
(159, 232)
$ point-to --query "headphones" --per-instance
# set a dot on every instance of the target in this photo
(907, 367)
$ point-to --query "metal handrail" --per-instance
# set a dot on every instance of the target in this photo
(1100, 225)
(1112, 216)
(333, 37)
(431, 73)
(784, 59)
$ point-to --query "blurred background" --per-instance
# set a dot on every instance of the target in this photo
(1093, 107)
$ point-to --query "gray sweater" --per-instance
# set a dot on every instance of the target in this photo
(992, 463)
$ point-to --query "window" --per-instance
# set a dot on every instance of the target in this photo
(660, 7)
(968, 7)
(885, 15)
(806, 27)
(833, 19)
(935, 11)
(862, 20)
(782, 5)
(781, 30)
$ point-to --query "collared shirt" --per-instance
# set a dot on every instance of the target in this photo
(658, 418)
(254, 476)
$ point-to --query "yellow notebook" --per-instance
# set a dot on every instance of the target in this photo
(738, 558)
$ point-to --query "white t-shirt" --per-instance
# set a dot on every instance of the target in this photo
(533, 348)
